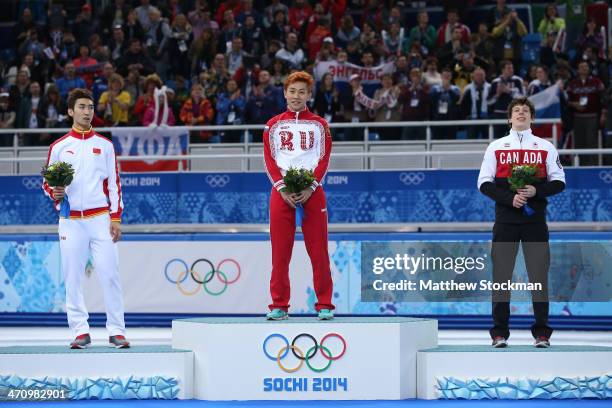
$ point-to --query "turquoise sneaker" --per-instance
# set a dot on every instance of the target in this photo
(277, 314)
(326, 314)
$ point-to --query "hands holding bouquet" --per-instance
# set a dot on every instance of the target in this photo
(58, 175)
(521, 182)
(297, 190)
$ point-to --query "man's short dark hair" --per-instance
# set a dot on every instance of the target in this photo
(78, 93)
(520, 102)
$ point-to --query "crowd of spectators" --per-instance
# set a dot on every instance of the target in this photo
(224, 63)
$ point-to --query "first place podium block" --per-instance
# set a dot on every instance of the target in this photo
(349, 358)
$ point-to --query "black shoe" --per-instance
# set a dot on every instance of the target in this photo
(81, 342)
(542, 342)
(499, 342)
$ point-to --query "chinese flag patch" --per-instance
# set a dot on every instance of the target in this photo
(97, 150)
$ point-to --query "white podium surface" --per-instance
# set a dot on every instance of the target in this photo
(361, 358)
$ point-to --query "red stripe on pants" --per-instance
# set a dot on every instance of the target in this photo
(282, 236)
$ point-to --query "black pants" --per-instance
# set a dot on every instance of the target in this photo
(534, 239)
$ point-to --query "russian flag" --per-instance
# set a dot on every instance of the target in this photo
(547, 103)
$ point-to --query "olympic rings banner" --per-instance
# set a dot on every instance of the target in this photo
(353, 197)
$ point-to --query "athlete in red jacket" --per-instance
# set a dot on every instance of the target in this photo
(299, 139)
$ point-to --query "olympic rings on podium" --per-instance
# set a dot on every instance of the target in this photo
(299, 354)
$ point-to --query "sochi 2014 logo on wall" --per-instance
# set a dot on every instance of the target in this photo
(202, 274)
(304, 350)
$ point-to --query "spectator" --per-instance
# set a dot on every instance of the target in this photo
(266, 100)
(368, 35)
(445, 32)
(230, 108)
(101, 82)
(218, 75)
(158, 112)
(235, 56)
(347, 32)
(591, 36)
(135, 58)
(462, 72)
(179, 43)
(353, 52)
(7, 118)
(473, 103)
(279, 73)
(431, 76)
(85, 66)
(151, 83)
(393, 39)
(319, 13)
(24, 27)
(497, 13)
(540, 83)
(504, 89)
(69, 81)
(143, 13)
(69, 49)
(445, 106)
(327, 51)
(29, 115)
(315, 39)
(401, 76)
(84, 25)
(114, 15)
(354, 110)
(134, 88)
(197, 111)
(53, 108)
(267, 59)
(229, 31)
(99, 51)
(387, 108)
(232, 6)
(133, 29)
(483, 46)
(299, 14)
(585, 94)
(20, 89)
(31, 44)
(202, 51)
(157, 39)
(551, 22)
(114, 103)
(200, 19)
(248, 11)
(279, 28)
(327, 100)
(252, 37)
(118, 45)
(452, 52)
(35, 68)
(337, 9)
(423, 33)
(415, 105)
(597, 67)
(507, 35)
(292, 53)
(270, 12)
(373, 14)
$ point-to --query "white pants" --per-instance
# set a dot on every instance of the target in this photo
(77, 238)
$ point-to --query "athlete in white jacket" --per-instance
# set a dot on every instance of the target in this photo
(90, 215)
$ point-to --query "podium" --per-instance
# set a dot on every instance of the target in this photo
(348, 358)
(140, 372)
(516, 372)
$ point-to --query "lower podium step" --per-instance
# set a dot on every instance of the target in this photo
(140, 372)
(516, 372)
(304, 359)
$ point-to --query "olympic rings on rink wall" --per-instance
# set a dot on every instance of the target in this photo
(202, 271)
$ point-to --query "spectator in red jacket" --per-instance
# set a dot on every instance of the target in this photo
(299, 14)
(445, 32)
